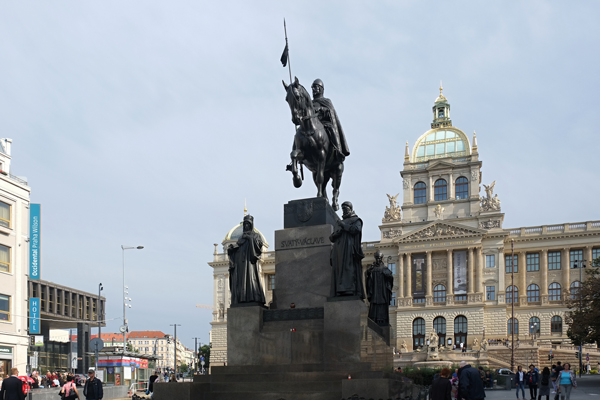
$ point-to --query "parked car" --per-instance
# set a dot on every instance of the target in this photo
(504, 371)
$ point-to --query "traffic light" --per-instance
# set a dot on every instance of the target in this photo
(549, 357)
(577, 354)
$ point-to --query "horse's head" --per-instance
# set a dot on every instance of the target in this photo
(299, 101)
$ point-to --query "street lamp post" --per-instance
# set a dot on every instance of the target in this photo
(580, 264)
(196, 354)
(100, 287)
(124, 327)
(175, 346)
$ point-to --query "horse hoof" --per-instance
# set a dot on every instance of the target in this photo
(335, 206)
(297, 181)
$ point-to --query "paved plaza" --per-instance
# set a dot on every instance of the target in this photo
(588, 386)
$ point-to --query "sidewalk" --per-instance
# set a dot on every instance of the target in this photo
(587, 386)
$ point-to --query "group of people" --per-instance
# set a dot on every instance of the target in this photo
(466, 383)
(561, 378)
(12, 388)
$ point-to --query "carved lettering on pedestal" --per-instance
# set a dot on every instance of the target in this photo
(302, 242)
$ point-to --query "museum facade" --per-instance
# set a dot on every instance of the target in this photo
(451, 257)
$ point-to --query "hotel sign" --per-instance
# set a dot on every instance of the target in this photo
(34, 315)
(34, 241)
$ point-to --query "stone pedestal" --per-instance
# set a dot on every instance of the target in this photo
(302, 267)
(343, 331)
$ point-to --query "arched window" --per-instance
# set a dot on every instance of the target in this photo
(575, 287)
(420, 193)
(509, 326)
(418, 333)
(533, 292)
(439, 293)
(556, 324)
(440, 190)
(439, 325)
(534, 325)
(460, 330)
(462, 188)
(509, 294)
(554, 291)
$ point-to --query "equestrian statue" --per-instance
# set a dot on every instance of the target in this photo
(319, 143)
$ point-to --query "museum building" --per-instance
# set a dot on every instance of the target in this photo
(452, 258)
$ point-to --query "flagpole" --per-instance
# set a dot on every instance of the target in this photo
(288, 52)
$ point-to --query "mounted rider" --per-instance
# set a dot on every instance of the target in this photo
(328, 117)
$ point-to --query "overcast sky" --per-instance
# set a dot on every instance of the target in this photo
(149, 122)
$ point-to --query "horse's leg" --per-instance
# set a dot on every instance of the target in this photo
(337, 181)
(320, 172)
(327, 177)
(296, 156)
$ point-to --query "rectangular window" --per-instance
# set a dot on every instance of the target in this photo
(533, 262)
(553, 260)
(595, 253)
(271, 281)
(4, 307)
(393, 302)
(490, 292)
(392, 267)
(460, 298)
(508, 264)
(490, 261)
(575, 255)
(4, 215)
(4, 258)
(419, 300)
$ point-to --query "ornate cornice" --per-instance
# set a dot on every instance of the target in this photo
(441, 230)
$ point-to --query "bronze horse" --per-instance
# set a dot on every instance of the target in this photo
(312, 146)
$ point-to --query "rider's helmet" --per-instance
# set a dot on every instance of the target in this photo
(318, 82)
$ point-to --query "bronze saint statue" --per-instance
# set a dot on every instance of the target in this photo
(244, 281)
(319, 142)
(329, 118)
(346, 255)
(379, 283)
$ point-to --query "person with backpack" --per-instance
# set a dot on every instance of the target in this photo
(544, 384)
(533, 377)
(69, 390)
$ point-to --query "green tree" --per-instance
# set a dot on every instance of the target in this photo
(183, 368)
(584, 317)
(204, 351)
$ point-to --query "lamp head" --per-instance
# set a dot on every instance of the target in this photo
(140, 247)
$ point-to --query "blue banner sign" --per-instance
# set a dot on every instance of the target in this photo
(34, 315)
(34, 241)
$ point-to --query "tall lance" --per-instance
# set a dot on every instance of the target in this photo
(286, 52)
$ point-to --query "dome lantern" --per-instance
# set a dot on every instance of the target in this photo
(441, 111)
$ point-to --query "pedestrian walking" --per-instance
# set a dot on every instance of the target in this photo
(470, 386)
(533, 377)
(567, 381)
(520, 381)
(441, 388)
(92, 390)
(12, 387)
(69, 389)
(454, 382)
(544, 384)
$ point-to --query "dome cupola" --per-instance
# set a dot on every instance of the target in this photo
(441, 111)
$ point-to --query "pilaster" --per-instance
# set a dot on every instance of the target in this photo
(400, 275)
(450, 281)
(471, 274)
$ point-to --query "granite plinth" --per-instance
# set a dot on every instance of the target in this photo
(302, 267)
(308, 212)
(343, 331)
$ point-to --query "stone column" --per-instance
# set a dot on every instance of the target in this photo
(408, 290)
(566, 268)
(544, 272)
(431, 190)
(400, 275)
(480, 267)
(450, 281)
(428, 278)
(522, 265)
(587, 255)
(471, 272)
(451, 187)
